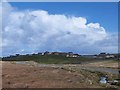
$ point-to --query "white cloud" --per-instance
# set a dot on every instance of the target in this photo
(31, 31)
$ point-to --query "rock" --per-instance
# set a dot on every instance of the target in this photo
(9, 82)
(35, 70)
(26, 86)
(3, 75)
(115, 82)
(90, 82)
(69, 80)
(32, 81)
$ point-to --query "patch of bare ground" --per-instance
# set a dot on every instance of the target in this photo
(29, 76)
(106, 64)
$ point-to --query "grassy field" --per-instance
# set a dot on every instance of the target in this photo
(49, 59)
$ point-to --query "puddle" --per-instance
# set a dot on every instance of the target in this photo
(103, 80)
(109, 70)
(21, 62)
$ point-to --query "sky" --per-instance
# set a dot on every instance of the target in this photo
(84, 28)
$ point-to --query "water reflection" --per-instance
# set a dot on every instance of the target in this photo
(103, 80)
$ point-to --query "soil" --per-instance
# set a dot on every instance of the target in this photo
(31, 76)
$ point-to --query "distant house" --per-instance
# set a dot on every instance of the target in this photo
(39, 53)
(76, 55)
(110, 56)
(43, 53)
(105, 55)
(55, 53)
(63, 54)
(49, 53)
(102, 54)
(70, 54)
(46, 53)
(33, 54)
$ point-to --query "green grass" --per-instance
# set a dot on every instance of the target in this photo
(48, 59)
(51, 59)
(115, 61)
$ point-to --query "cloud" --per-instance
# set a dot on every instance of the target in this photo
(31, 31)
